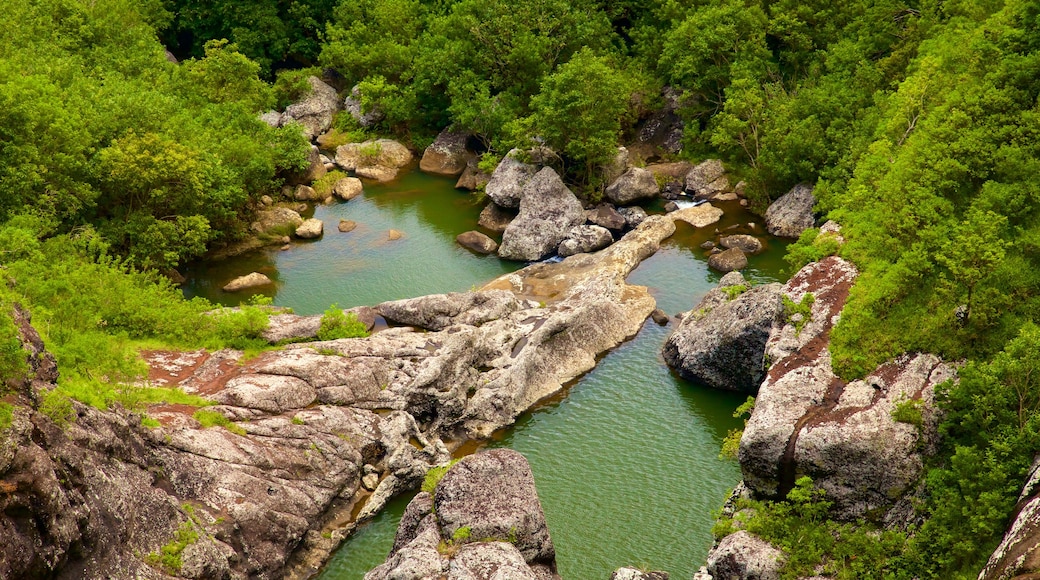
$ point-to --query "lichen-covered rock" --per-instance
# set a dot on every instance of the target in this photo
(306, 193)
(379, 160)
(633, 216)
(721, 342)
(807, 421)
(508, 181)
(706, 179)
(743, 242)
(348, 188)
(792, 213)
(251, 280)
(1018, 555)
(548, 211)
(438, 311)
(352, 104)
(742, 556)
(310, 228)
(286, 327)
(447, 155)
(698, 216)
(728, 260)
(477, 242)
(315, 110)
(276, 220)
(637, 574)
(634, 185)
(584, 239)
(495, 218)
(607, 216)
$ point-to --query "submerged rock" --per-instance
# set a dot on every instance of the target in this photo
(246, 282)
(478, 242)
(548, 211)
(792, 214)
(347, 226)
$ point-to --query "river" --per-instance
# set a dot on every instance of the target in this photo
(625, 461)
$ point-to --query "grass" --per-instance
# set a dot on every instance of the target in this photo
(209, 419)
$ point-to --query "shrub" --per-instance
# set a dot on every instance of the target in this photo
(336, 323)
(58, 406)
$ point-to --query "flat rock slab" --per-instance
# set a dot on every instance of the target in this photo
(699, 216)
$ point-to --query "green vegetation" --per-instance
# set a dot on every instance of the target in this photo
(336, 323)
(6, 415)
(168, 558)
(736, 290)
(208, 419)
(909, 411)
(731, 443)
(799, 313)
(434, 475)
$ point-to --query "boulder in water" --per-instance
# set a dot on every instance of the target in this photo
(477, 242)
(548, 210)
(253, 280)
(310, 229)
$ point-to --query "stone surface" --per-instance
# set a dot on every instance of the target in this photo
(246, 282)
(394, 235)
(1018, 555)
(276, 220)
(348, 188)
(721, 342)
(478, 242)
(807, 421)
(286, 327)
(439, 311)
(745, 557)
(315, 110)
(636, 184)
(607, 216)
(792, 214)
(509, 179)
(347, 226)
(379, 159)
(472, 177)
(548, 211)
(447, 155)
(637, 574)
(306, 193)
(743, 242)
(728, 261)
(495, 218)
(633, 215)
(584, 239)
(310, 228)
(699, 216)
(698, 180)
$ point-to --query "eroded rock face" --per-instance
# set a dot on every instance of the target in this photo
(745, 557)
(548, 210)
(636, 184)
(484, 520)
(509, 179)
(722, 341)
(1018, 555)
(313, 112)
(807, 421)
(791, 214)
(707, 179)
(447, 155)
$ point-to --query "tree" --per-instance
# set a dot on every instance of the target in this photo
(974, 251)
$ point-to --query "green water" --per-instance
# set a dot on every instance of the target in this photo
(626, 461)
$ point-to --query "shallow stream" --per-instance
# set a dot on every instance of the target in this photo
(626, 460)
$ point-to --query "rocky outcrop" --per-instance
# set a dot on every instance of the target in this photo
(483, 520)
(721, 342)
(315, 110)
(379, 160)
(478, 242)
(746, 557)
(584, 239)
(707, 180)
(792, 213)
(808, 421)
(663, 129)
(447, 155)
(288, 327)
(495, 218)
(728, 261)
(637, 574)
(548, 210)
(310, 228)
(252, 280)
(636, 184)
(509, 180)
(1018, 555)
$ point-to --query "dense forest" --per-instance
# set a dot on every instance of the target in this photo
(918, 121)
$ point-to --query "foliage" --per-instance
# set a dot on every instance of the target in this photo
(336, 323)
(731, 443)
(325, 185)
(802, 309)
(909, 411)
(812, 246)
(208, 419)
(6, 415)
(168, 558)
(13, 358)
(58, 406)
(434, 475)
(735, 290)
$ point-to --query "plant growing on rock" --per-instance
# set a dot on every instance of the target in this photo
(336, 323)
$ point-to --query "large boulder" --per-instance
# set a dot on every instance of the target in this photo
(495, 217)
(584, 239)
(509, 179)
(477, 242)
(247, 282)
(721, 342)
(379, 160)
(634, 185)
(742, 556)
(439, 311)
(808, 421)
(310, 228)
(348, 188)
(548, 210)
(633, 216)
(447, 155)
(728, 261)
(315, 110)
(792, 214)
(607, 216)
(698, 216)
(276, 221)
(706, 178)
(743, 242)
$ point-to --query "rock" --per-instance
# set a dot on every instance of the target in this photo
(286, 327)
(547, 212)
(348, 188)
(439, 311)
(377, 173)
(314, 171)
(1017, 554)
(352, 104)
(272, 118)
(493, 494)
(637, 574)
(447, 155)
(495, 218)
(699, 180)
(379, 160)
(671, 206)
(744, 243)
(472, 177)
(807, 421)
(660, 317)
(698, 216)
(314, 111)
(394, 235)
(306, 193)
(585, 239)
(509, 180)
(792, 214)
(310, 229)
(253, 280)
(605, 215)
(634, 185)
(663, 129)
(617, 166)
(270, 393)
(633, 216)
(370, 481)
(671, 176)
(744, 556)
(708, 245)
(275, 220)
(347, 225)
(721, 342)
(266, 200)
(727, 261)
(477, 242)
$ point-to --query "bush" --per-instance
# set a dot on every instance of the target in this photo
(336, 323)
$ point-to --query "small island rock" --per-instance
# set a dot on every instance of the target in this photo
(252, 280)
(310, 229)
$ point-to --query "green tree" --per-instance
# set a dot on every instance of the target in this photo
(974, 251)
